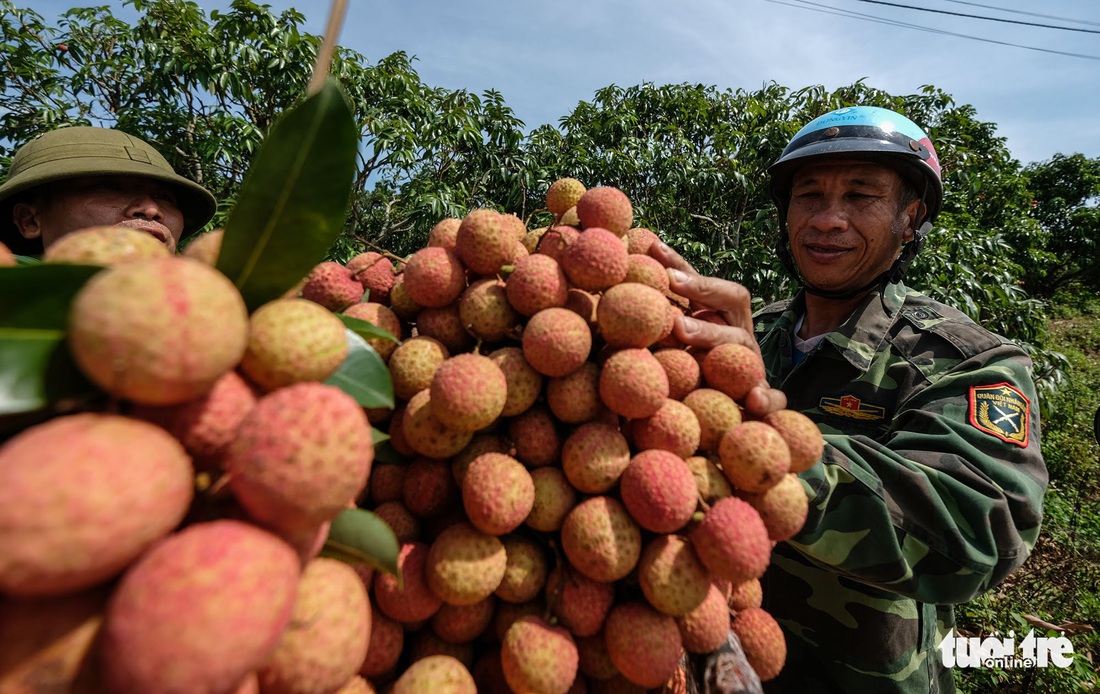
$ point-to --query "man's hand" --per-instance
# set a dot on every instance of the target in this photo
(732, 302)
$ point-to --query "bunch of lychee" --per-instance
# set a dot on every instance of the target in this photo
(164, 538)
(582, 499)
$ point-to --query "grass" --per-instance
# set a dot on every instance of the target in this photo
(1058, 584)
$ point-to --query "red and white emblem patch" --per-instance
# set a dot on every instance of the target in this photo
(1001, 410)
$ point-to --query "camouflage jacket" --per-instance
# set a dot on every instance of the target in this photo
(929, 493)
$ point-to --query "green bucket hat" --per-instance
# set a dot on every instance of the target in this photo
(88, 151)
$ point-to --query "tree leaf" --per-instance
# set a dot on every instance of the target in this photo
(364, 375)
(358, 536)
(368, 331)
(35, 366)
(385, 453)
(293, 203)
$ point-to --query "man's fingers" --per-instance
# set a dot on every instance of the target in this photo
(730, 299)
(670, 258)
(704, 334)
(762, 400)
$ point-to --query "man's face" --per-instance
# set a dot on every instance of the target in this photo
(140, 203)
(846, 223)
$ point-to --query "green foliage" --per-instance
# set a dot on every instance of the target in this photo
(358, 536)
(1059, 245)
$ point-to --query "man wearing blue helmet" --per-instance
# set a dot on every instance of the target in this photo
(931, 484)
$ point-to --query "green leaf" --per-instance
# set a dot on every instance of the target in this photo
(368, 331)
(364, 375)
(378, 437)
(293, 203)
(35, 366)
(384, 453)
(358, 536)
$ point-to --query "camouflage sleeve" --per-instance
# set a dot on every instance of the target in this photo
(949, 501)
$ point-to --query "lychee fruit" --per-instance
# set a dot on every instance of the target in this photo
(754, 456)
(434, 277)
(105, 245)
(554, 241)
(497, 493)
(374, 272)
(746, 594)
(326, 641)
(646, 270)
(468, 392)
(463, 623)
(554, 498)
(300, 456)
(525, 571)
(381, 317)
(332, 285)
(444, 233)
(684, 373)
(716, 412)
(580, 603)
(594, 456)
(783, 507)
(643, 643)
(425, 434)
(671, 576)
(601, 539)
(405, 526)
(639, 239)
(733, 369)
(400, 301)
(563, 194)
(524, 384)
(556, 342)
(595, 261)
(659, 491)
(802, 435)
(537, 657)
(413, 365)
(584, 304)
(291, 341)
(82, 496)
(674, 428)
(535, 435)
(537, 282)
(387, 640)
(483, 244)
(605, 207)
(732, 541)
(711, 482)
(485, 312)
(704, 629)
(465, 565)
(632, 315)
(436, 673)
(633, 383)
(206, 425)
(407, 599)
(481, 443)
(762, 640)
(444, 323)
(575, 398)
(244, 578)
(428, 489)
(159, 331)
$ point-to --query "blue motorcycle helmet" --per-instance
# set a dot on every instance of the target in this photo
(872, 134)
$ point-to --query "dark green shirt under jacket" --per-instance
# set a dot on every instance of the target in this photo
(929, 491)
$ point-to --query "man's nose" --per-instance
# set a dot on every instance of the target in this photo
(145, 206)
(829, 214)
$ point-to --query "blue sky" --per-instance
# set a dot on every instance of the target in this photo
(545, 57)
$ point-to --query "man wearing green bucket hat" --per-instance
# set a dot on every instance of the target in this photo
(80, 176)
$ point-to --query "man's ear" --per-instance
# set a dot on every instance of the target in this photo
(25, 217)
(914, 212)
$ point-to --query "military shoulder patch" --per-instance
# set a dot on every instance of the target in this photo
(1002, 411)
